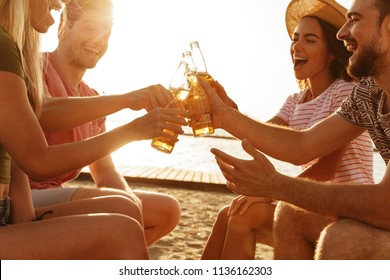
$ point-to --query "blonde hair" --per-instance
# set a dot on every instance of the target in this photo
(15, 19)
(76, 9)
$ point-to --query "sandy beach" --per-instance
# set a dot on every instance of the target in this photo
(200, 203)
(199, 210)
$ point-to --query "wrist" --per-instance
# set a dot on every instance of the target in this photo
(227, 117)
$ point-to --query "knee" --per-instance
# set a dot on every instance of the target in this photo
(223, 214)
(222, 217)
(166, 211)
(338, 240)
(254, 219)
(285, 216)
(127, 239)
(173, 210)
(127, 207)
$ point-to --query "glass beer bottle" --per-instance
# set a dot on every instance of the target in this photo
(200, 64)
(198, 108)
(179, 87)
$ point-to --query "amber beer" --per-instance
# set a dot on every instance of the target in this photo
(198, 108)
(163, 144)
(208, 79)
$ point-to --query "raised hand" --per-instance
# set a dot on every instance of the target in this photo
(247, 177)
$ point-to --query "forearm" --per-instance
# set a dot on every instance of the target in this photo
(364, 203)
(22, 209)
(50, 161)
(325, 168)
(268, 138)
(66, 113)
(104, 174)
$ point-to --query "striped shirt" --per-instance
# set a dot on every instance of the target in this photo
(356, 165)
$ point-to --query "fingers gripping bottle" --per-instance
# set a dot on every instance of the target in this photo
(180, 88)
(200, 65)
(198, 108)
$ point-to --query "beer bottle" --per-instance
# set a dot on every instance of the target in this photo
(187, 57)
(198, 107)
(200, 64)
(179, 87)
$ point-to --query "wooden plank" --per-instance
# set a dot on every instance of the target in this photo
(166, 173)
(180, 176)
(135, 171)
(169, 174)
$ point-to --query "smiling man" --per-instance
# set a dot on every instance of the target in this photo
(361, 227)
(84, 32)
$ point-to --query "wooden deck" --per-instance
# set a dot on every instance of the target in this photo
(168, 176)
(190, 165)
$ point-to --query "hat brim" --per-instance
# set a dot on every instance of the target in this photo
(327, 10)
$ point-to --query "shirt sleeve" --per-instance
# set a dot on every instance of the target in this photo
(342, 91)
(10, 57)
(350, 111)
(288, 108)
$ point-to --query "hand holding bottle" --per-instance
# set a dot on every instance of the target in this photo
(148, 98)
(179, 90)
(223, 95)
(217, 107)
(159, 122)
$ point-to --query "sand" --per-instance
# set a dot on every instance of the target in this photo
(199, 210)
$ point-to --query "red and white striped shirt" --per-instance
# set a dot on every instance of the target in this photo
(356, 166)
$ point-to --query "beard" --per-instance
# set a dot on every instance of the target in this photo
(369, 61)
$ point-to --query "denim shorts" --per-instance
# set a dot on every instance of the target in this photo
(5, 210)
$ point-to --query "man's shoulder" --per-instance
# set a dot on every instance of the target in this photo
(367, 89)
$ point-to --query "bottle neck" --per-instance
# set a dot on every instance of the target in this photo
(198, 58)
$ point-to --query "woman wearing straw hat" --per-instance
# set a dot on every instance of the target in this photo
(319, 62)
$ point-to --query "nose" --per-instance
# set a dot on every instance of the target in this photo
(294, 48)
(343, 33)
(295, 45)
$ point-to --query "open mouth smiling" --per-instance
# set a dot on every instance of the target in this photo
(299, 61)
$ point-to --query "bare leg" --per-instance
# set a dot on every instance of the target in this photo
(296, 232)
(104, 204)
(75, 237)
(214, 246)
(352, 240)
(235, 237)
(244, 230)
(161, 213)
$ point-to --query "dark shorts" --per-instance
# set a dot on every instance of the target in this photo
(5, 210)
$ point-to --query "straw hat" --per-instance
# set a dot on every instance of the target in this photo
(327, 10)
